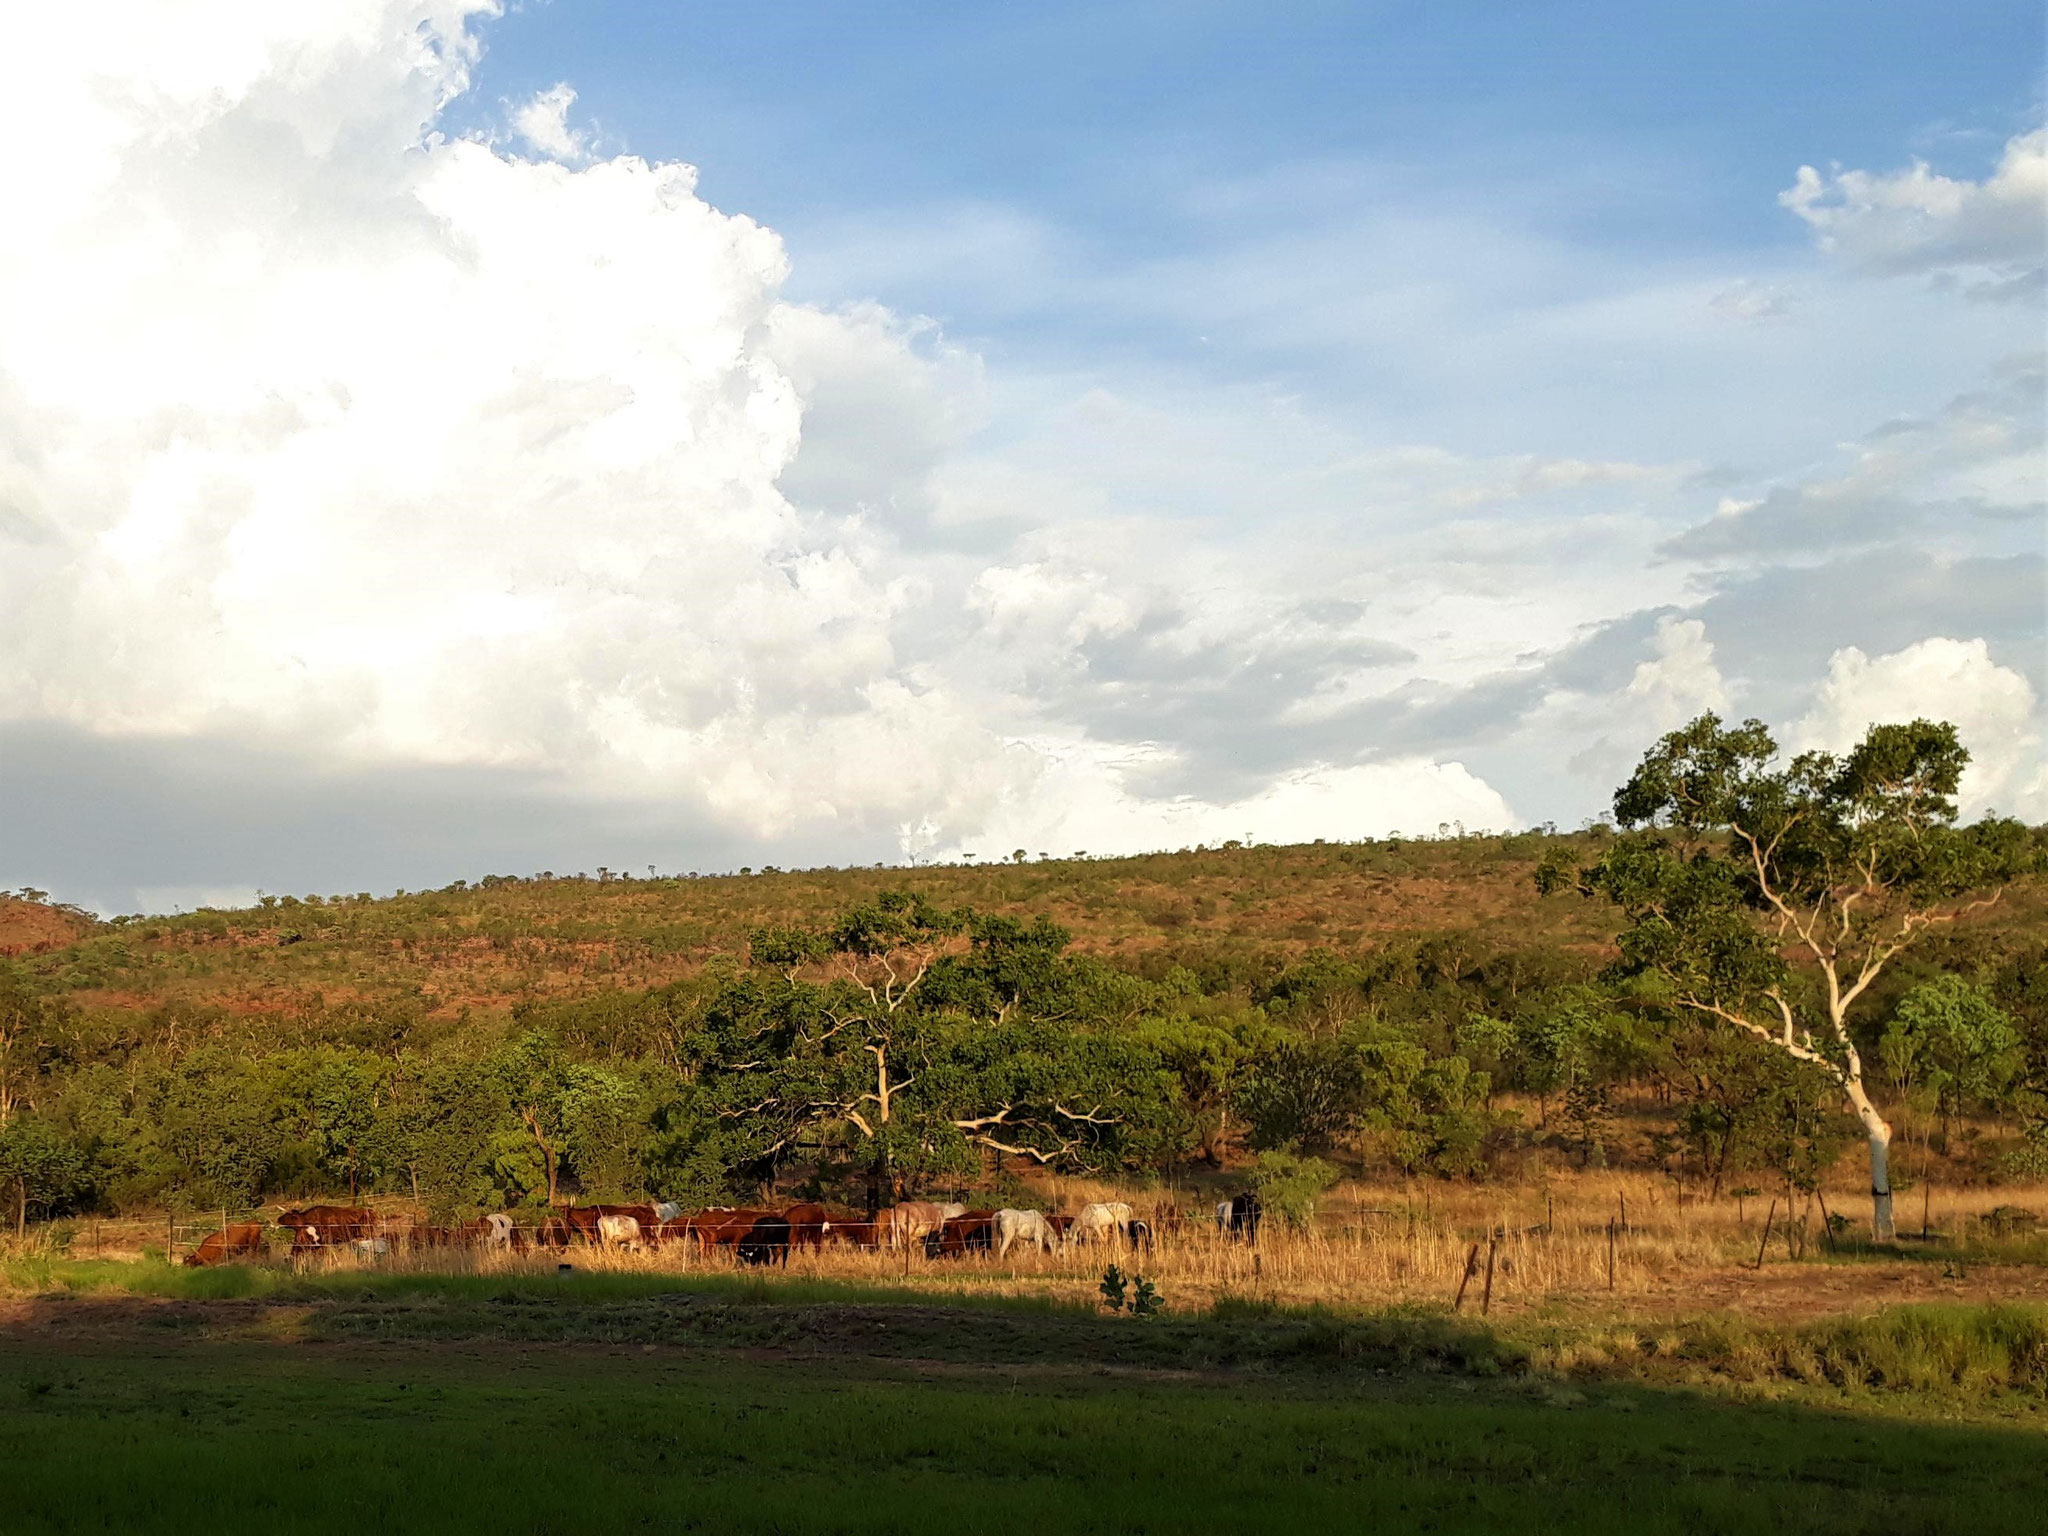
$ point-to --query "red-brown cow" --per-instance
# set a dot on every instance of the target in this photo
(852, 1229)
(975, 1232)
(807, 1225)
(328, 1226)
(243, 1240)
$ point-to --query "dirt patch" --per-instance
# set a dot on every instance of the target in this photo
(31, 927)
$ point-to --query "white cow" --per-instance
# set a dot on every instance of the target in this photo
(949, 1210)
(1103, 1219)
(618, 1231)
(1024, 1227)
(904, 1224)
(498, 1230)
(666, 1210)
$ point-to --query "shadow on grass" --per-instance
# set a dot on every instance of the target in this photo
(227, 1437)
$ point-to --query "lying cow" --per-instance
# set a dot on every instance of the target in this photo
(1102, 1221)
(243, 1240)
(1030, 1227)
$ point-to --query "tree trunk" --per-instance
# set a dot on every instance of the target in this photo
(1880, 1134)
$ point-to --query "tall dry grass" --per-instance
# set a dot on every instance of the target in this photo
(1371, 1245)
(1588, 1238)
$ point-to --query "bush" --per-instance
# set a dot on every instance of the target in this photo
(1289, 1185)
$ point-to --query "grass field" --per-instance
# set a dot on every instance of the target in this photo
(596, 1404)
(138, 1397)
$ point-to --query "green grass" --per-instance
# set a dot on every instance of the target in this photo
(1946, 1355)
(137, 1397)
(213, 1437)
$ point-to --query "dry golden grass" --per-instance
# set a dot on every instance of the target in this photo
(1381, 1245)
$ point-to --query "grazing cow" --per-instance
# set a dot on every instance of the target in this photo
(854, 1230)
(969, 1232)
(243, 1240)
(765, 1241)
(552, 1232)
(327, 1226)
(1238, 1217)
(666, 1211)
(807, 1225)
(584, 1219)
(1104, 1219)
(1024, 1227)
(371, 1247)
(619, 1231)
(1138, 1233)
(911, 1221)
(722, 1227)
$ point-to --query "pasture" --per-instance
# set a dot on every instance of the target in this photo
(544, 1402)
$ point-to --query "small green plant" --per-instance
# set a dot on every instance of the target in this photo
(1146, 1300)
(1132, 1293)
(1115, 1289)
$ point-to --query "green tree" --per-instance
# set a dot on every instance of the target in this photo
(1951, 1038)
(41, 1168)
(29, 1031)
(1768, 897)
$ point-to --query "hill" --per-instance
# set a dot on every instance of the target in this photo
(1235, 915)
(489, 944)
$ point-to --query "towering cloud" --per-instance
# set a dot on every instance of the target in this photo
(323, 430)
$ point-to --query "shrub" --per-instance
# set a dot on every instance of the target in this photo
(1289, 1185)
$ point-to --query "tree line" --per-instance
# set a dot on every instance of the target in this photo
(1787, 976)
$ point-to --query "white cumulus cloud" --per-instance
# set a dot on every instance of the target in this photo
(1992, 707)
(1915, 220)
(325, 431)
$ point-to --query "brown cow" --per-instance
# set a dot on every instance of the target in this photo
(974, 1232)
(327, 1226)
(851, 1228)
(719, 1227)
(243, 1240)
(808, 1225)
(553, 1232)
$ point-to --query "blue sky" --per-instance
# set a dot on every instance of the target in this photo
(1050, 425)
(1045, 180)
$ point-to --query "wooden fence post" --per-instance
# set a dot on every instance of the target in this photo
(1610, 1253)
(1763, 1241)
(1471, 1269)
(1486, 1297)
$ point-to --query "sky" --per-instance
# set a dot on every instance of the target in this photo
(442, 438)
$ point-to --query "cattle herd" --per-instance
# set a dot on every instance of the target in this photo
(753, 1236)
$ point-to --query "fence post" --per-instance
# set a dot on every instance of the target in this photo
(1471, 1269)
(171, 1237)
(1610, 1253)
(1486, 1297)
(1764, 1241)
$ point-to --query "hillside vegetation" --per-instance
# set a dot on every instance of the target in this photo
(1413, 1006)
